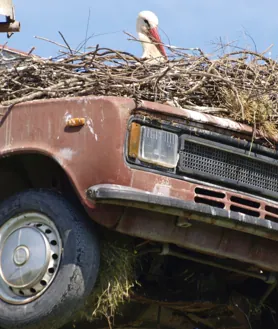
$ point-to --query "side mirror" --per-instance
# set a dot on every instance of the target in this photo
(7, 10)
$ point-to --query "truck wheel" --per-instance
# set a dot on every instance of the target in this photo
(49, 260)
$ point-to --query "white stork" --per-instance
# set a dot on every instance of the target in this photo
(147, 24)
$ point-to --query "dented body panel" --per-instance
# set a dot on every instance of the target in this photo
(94, 153)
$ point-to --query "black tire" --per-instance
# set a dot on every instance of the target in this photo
(78, 268)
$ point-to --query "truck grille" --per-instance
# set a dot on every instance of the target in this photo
(228, 166)
(209, 156)
(237, 203)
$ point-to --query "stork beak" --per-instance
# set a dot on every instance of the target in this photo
(156, 38)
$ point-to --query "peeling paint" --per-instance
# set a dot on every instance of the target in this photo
(193, 115)
(204, 118)
(67, 153)
(67, 116)
(90, 125)
(160, 189)
(163, 181)
(102, 116)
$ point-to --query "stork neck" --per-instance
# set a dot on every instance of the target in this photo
(149, 49)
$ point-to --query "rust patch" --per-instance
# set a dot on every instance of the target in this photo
(200, 237)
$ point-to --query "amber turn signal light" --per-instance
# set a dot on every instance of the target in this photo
(134, 140)
(75, 122)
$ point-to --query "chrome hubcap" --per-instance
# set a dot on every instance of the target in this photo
(30, 253)
(21, 255)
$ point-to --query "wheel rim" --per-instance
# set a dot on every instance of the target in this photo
(30, 254)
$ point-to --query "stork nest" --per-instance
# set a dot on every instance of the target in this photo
(241, 85)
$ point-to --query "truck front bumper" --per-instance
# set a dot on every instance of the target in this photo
(196, 227)
(186, 211)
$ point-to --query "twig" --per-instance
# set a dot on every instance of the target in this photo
(66, 42)
(51, 41)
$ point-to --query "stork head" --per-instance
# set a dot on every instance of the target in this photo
(147, 29)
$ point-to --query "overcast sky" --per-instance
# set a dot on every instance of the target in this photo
(195, 23)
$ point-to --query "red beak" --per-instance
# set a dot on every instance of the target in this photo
(156, 38)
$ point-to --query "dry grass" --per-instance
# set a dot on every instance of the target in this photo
(241, 85)
(115, 281)
(256, 111)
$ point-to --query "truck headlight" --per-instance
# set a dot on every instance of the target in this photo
(153, 145)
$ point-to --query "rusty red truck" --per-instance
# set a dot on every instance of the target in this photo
(184, 184)
(194, 195)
